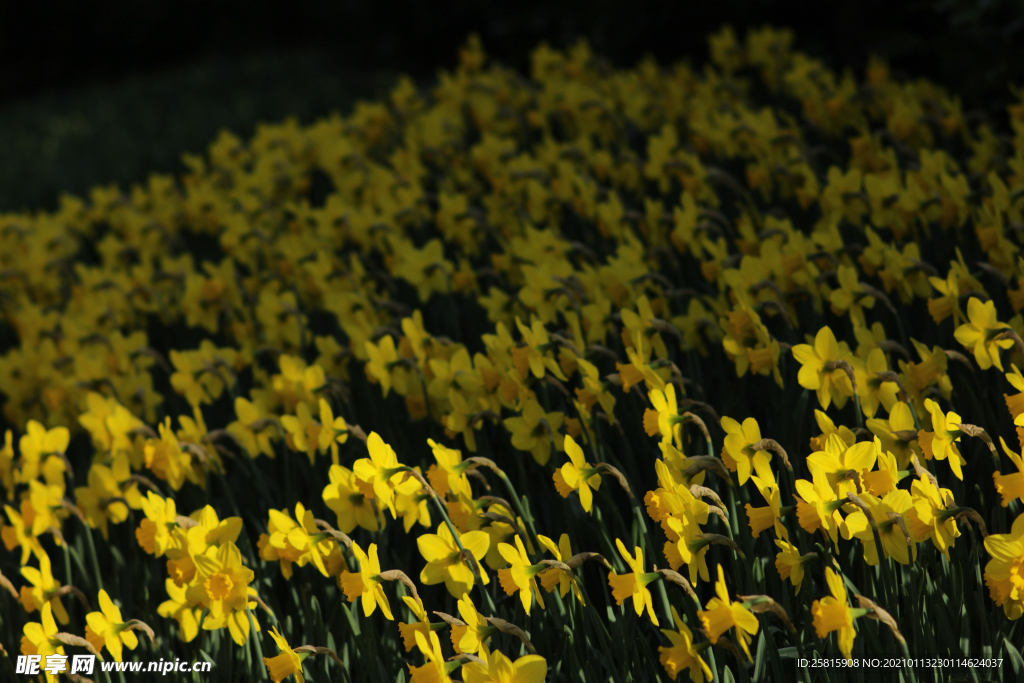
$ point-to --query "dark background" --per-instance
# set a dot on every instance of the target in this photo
(93, 92)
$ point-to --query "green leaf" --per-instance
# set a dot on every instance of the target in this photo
(1016, 661)
(760, 661)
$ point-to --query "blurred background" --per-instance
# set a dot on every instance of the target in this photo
(109, 91)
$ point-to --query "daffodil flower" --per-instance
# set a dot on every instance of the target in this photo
(1004, 572)
(833, 613)
(884, 511)
(941, 442)
(445, 560)
(44, 588)
(722, 614)
(472, 637)
(521, 575)
(40, 639)
(287, 662)
(350, 504)
(634, 584)
(577, 475)
(739, 446)
(1010, 486)
(931, 516)
(978, 335)
(223, 587)
(436, 669)
(381, 471)
(365, 584)
(497, 668)
(818, 371)
(790, 563)
(109, 629)
(682, 655)
(553, 576)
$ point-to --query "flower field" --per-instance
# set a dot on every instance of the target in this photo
(587, 374)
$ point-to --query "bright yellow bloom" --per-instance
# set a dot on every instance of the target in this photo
(722, 614)
(181, 608)
(536, 431)
(286, 663)
(930, 517)
(790, 563)
(1004, 573)
(634, 584)
(979, 334)
(743, 459)
(1010, 486)
(365, 584)
(109, 628)
(842, 465)
(664, 420)
(940, 443)
(444, 562)
(553, 576)
(682, 654)
(435, 670)
(761, 518)
(222, 585)
(817, 505)
(521, 575)
(818, 372)
(381, 472)
(382, 358)
(884, 479)
(41, 453)
(44, 588)
(894, 543)
(833, 613)
(500, 669)
(577, 475)
(350, 504)
(422, 624)
(871, 390)
(472, 637)
(40, 639)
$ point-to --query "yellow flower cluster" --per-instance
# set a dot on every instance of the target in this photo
(600, 240)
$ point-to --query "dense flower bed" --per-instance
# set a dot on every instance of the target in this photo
(593, 375)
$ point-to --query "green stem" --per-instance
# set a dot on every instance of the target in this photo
(256, 640)
(94, 558)
(520, 510)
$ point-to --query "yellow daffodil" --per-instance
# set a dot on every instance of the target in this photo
(286, 663)
(40, 639)
(380, 472)
(818, 371)
(445, 562)
(1010, 486)
(681, 655)
(554, 576)
(932, 515)
(978, 335)
(365, 583)
(44, 588)
(109, 629)
(634, 584)
(722, 614)
(833, 613)
(1004, 573)
(521, 575)
(940, 443)
(497, 668)
(739, 447)
(577, 475)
